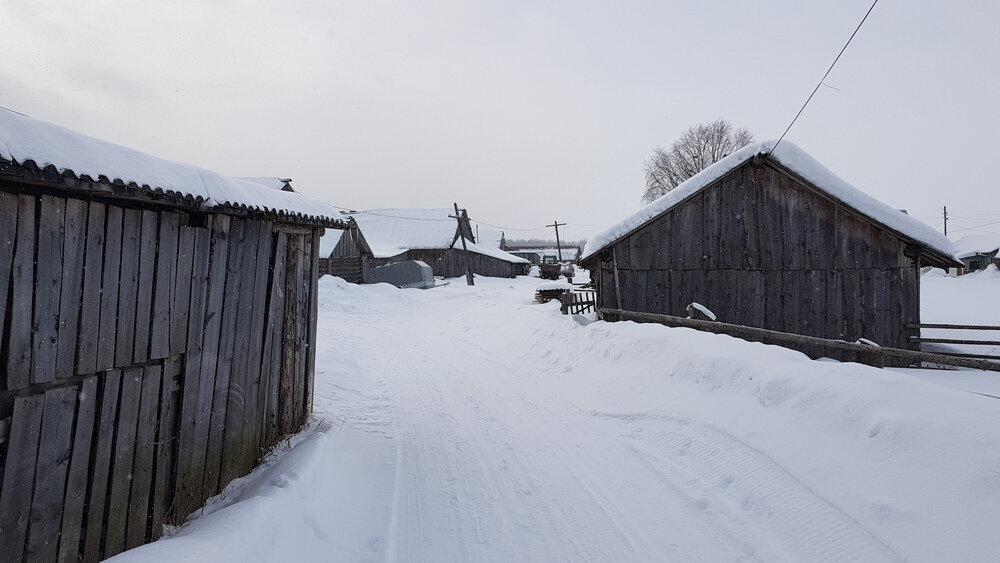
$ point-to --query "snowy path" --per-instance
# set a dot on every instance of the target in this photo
(487, 471)
(469, 424)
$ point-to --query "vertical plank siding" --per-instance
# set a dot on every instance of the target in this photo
(760, 249)
(146, 363)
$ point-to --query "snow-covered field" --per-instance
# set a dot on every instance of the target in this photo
(472, 424)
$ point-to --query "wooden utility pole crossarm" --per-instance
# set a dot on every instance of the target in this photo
(557, 224)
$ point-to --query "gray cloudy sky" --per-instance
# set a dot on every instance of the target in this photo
(524, 112)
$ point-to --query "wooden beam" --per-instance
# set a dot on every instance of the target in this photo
(774, 337)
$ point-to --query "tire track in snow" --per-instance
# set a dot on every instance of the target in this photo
(743, 487)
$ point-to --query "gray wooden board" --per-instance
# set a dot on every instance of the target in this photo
(730, 221)
(190, 463)
(286, 392)
(166, 263)
(239, 385)
(251, 419)
(109, 295)
(76, 482)
(227, 341)
(48, 280)
(271, 360)
(311, 318)
(166, 446)
(128, 288)
(179, 310)
(54, 450)
(74, 249)
(18, 477)
(142, 468)
(22, 297)
(125, 446)
(8, 232)
(835, 304)
(773, 299)
(753, 202)
(147, 278)
(90, 307)
(191, 470)
(710, 227)
(301, 287)
(311, 314)
(102, 457)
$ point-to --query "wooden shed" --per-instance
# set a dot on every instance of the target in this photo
(774, 241)
(157, 337)
(345, 254)
(434, 236)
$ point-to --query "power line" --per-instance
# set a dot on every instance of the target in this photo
(976, 227)
(820, 83)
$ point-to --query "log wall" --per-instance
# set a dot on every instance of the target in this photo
(147, 358)
(761, 249)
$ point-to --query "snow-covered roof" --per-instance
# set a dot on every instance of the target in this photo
(568, 252)
(796, 160)
(272, 182)
(489, 250)
(976, 244)
(391, 232)
(23, 139)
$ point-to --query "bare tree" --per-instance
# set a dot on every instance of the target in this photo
(696, 149)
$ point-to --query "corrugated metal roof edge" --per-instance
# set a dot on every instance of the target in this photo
(29, 172)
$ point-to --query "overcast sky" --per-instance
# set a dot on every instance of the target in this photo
(523, 112)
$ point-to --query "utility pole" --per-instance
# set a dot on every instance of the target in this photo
(557, 224)
(461, 235)
(945, 220)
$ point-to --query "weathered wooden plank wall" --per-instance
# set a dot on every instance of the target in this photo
(760, 249)
(144, 363)
(452, 262)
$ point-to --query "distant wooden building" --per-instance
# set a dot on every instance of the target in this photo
(434, 236)
(776, 242)
(977, 252)
(345, 254)
(157, 329)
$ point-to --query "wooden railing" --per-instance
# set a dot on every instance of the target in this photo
(958, 341)
(872, 355)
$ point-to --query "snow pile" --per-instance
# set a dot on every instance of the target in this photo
(23, 139)
(795, 159)
(553, 285)
(464, 424)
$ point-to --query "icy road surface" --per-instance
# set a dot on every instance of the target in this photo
(470, 424)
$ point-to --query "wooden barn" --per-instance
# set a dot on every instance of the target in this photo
(772, 241)
(435, 237)
(157, 331)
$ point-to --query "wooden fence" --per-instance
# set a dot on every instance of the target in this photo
(810, 345)
(148, 357)
(958, 341)
(578, 301)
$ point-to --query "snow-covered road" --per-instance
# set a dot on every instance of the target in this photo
(470, 424)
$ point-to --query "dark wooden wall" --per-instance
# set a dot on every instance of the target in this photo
(451, 263)
(146, 362)
(761, 249)
(349, 258)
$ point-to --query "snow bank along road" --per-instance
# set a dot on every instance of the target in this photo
(469, 424)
